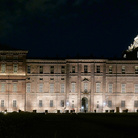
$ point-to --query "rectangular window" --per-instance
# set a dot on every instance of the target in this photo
(52, 69)
(110, 69)
(62, 69)
(3, 87)
(51, 103)
(28, 87)
(14, 103)
(136, 88)
(136, 103)
(136, 69)
(41, 87)
(85, 86)
(51, 87)
(2, 103)
(15, 57)
(3, 68)
(62, 103)
(123, 88)
(122, 103)
(40, 103)
(73, 87)
(98, 69)
(110, 88)
(3, 57)
(85, 68)
(73, 69)
(62, 88)
(98, 87)
(14, 87)
(28, 69)
(109, 103)
(41, 69)
(123, 70)
(15, 68)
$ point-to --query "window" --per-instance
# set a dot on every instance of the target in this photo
(98, 85)
(15, 68)
(14, 103)
(41, 87)
(51, 78)
(28, 87)
(62, 87)
(136, 69)
(123, 88)
(3, 68)
(110, 69)
(62, 69)
(136, 103)
(123, 70)
(62, 103)
(62, 78)
(73, 69)
(40, 78)
(51, 103)
(73, 87)
(110, 88)
(2, 103)
(97, 104)
(98, 69)
(40, 103)
(122, 103)
(3, 57)
(51, 87)
(14, 87)
(28, 69)
(3, 87)
(109, 103)
(85, 68)
(85, 86)
(136, 88)
(52, 69)
(15, 57)
(41, 69)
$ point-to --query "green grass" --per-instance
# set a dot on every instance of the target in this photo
(32, 125)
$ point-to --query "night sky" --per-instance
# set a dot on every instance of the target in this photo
(69, 27)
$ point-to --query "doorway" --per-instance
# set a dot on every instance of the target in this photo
(84, 104)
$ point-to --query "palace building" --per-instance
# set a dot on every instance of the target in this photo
(68, 84)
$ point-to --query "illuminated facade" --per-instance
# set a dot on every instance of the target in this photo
(79, 84)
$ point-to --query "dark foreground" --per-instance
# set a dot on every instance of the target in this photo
(32, 125)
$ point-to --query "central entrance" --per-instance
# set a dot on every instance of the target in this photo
(84, 104)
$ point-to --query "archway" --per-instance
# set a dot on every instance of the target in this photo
(84, 104)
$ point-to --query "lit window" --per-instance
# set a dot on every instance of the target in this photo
(63, 88)
(41, 69)
(28, 69)
(73, 87)
(41, 87)
(14, 103)
(136, 69)
(136, 103)
(98, 87)
(98, 69)
(3, 68)
(3, 87)
(110, 69)
(15, 87)
(123, 88)
(122, 103)
(15, 68)
(28, 87)
(123, 70)
(51, 87)
(62, 69)
(52, 69)
(109, 103)
(62, 103)
(110, 88)
(2, 103)
(51, 103)
(40, 103)
(85, 68)
(136, 88)
(73, 69)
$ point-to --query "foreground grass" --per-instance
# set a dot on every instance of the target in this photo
(33, 125)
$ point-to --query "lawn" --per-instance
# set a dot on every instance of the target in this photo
(39, 125)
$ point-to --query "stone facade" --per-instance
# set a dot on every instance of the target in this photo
(69, 84)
